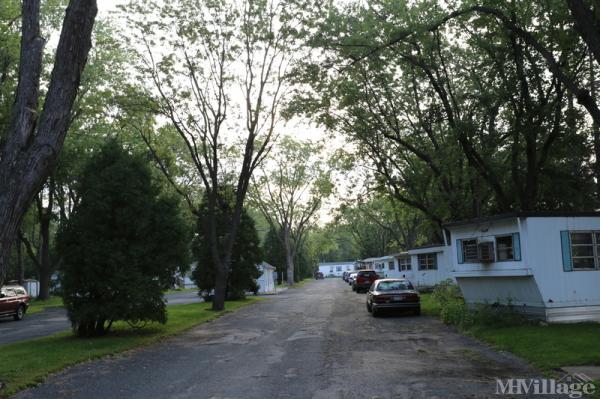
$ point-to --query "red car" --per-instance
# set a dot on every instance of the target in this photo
(364, 279)
(393, 294)
(14, 301)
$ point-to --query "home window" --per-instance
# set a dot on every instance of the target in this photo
(585, 249)
(469, 249)
(504, 248)
(404, 263)
(391, 265)
(338, 268)
(427, 261)
(331, 269)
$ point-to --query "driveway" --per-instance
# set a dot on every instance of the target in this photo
(317, 342)
(54, 320)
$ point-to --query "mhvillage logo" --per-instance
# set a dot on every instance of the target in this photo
(572, 385)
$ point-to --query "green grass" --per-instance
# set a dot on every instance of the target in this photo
(547, 347)
(301, 282)
(180, 290)
(429, 306)
(37, 305)
(28, 363)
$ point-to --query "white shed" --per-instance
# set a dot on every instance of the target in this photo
(266, 281)
(546, 264)
(335, 269)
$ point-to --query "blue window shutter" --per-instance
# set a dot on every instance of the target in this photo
(435, 260)
(459, 251)
(517, 246)
(565, 241)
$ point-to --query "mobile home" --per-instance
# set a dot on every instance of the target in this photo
(545, 264)
(335, 269)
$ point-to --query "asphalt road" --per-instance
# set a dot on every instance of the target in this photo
(54, 320)
(316, 342)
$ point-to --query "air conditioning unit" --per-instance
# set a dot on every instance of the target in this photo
(485, 252)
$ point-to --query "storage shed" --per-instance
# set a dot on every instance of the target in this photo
(266, 281)
(546, 264)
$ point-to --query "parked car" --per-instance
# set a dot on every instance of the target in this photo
(345, 276)
(319, 276)
(14, 301)
(393, 294)
(351, 277)
(363, 280)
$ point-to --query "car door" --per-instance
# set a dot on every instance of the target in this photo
(3, 301)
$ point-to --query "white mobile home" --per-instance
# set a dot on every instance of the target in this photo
(545, 264)
(335, 269)
(423, 266)
(429, 265)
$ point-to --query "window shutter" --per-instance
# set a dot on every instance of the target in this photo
(565, 241)
(459, 251)
(517, 246)
(435, 259)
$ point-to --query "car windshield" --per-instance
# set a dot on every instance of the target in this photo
(394, 286)
(367, 274)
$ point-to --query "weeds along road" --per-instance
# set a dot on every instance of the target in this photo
(317, 341)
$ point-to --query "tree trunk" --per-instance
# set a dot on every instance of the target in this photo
(45, 270)
(289, 257)
(20, 269)
(33, 141)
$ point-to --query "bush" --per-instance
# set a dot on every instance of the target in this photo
(121, 246)
(454, 311)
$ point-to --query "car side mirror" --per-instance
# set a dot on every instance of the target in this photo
(2, 296)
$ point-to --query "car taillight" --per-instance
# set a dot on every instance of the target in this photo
(412, 297)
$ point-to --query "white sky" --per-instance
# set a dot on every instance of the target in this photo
(299, 129)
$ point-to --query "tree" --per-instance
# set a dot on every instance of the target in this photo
(455, 115)
(246, 256)
(122, 245)
(92, 120)
(218, 78)
(35, 136)
(290, 195)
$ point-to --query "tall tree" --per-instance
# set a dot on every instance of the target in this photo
(436, 112)
(36, 134)
(247, 253)
(290, 194)
(218, 73)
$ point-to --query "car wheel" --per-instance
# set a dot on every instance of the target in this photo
(354, 288)
(369, 309)
(418, 311)
(374, 312)
(20, 313)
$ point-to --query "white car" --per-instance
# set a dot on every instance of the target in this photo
(351, 277)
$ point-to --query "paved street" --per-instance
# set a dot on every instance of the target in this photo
(54, 320)
(314, 342)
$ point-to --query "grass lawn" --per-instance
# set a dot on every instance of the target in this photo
(547, 347)
(28, 363)
(37, 305)
(301, 282)
(180, 290)
(429, 306)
